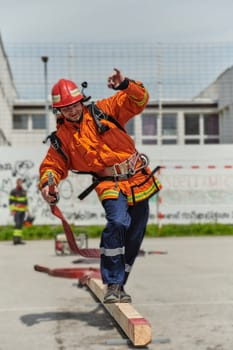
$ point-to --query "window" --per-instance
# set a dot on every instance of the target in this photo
(149, 142)
(192, 127)
(211, 124)
(211, 129)
(29, 121)
(201, 129)
(192, 142)
(20, 122)
(169, 125)
(191, 124)
(38, 121)
(169, 142)
(211, 141)
(130, 127)
(149, 125)
(149, 129)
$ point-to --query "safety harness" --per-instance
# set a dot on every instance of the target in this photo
(97, 115)
(117, 172)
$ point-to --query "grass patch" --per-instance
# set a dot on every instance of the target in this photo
(49, 232)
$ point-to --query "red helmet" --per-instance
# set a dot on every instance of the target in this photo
(64, 93)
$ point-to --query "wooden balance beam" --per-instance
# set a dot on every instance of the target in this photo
(137, 329)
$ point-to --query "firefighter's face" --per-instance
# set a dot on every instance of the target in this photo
(19, 183)
(72, 112)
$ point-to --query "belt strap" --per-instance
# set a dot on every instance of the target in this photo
(96, 181)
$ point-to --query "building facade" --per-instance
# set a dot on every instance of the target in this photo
(8, 94)
(203, 120)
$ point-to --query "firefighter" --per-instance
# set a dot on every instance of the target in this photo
(18, 205)
(97, 144)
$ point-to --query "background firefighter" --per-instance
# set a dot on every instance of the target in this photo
(101, 146)
(18, 205)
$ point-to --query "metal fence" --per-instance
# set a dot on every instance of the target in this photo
(169, 70)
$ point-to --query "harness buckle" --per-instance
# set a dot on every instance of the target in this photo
(129, 167)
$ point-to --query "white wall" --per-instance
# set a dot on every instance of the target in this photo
(197, 186)
(7, 93)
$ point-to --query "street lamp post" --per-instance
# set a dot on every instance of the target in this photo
(45, 60)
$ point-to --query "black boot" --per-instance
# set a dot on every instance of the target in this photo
(125, 297)
(17, 240)
(112, 294)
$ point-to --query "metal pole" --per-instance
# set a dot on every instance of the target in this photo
(159, 124)
(45, 60)
(160, 93)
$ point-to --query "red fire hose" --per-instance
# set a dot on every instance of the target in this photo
(85, 252)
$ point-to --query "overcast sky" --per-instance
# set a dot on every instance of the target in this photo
(116, 21)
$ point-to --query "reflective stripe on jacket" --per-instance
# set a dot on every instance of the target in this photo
(18, 200)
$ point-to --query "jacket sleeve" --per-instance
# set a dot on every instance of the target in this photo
(126, 103)
(54, 163)
(11, 199)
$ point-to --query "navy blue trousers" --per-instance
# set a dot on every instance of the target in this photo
(19, 219)
(121, 238)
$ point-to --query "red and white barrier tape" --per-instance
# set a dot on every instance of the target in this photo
(196, 166)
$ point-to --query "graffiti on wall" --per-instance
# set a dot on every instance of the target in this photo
(197, 196)
(28, 171)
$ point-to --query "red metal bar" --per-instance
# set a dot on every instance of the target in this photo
(81, 273)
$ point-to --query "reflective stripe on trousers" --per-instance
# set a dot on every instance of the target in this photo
(121, 238)
(17, 233)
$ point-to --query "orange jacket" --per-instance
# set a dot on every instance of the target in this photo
(89, 151)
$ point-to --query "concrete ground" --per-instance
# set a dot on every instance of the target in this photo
(186, 295)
